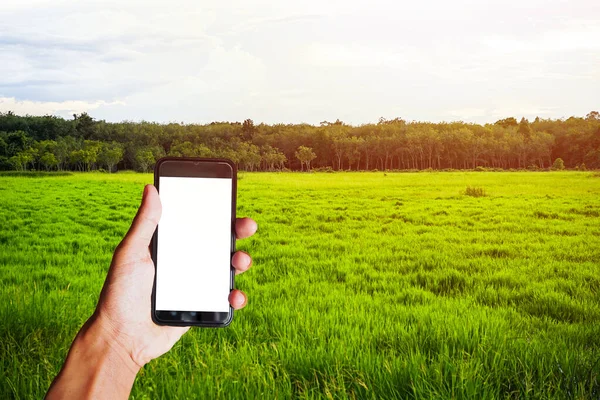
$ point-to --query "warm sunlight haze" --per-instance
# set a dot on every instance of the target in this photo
(292, 62)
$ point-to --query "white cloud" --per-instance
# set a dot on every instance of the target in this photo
(357, 56)
(575, 35)
(64, 108)
(466, 114)
(300, 61)
(517, 110)
(527, 111)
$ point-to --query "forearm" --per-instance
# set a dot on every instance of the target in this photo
(95, 368)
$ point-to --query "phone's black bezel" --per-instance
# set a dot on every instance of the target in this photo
(194, 167)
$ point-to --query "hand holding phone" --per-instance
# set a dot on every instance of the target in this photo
(120, 337)
(124, 309)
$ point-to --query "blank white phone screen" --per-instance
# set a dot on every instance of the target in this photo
(193, 254)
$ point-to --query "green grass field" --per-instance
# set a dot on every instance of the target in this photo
(363, 286)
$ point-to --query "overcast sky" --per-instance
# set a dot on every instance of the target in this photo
(301, 61)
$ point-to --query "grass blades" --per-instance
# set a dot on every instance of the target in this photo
(363, 285)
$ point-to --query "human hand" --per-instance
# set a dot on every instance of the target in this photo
(121, 337)
(124, 306)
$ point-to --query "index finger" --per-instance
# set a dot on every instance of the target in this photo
(245, 227)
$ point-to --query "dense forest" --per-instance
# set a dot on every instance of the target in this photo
(84, 144)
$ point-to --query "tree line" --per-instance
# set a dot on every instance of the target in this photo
(85, 144)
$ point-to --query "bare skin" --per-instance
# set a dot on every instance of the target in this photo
(120, 337)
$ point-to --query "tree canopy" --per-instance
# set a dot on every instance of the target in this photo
(84, 144)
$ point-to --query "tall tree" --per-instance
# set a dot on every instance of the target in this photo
(84, 125)
(110, 155)
(145, 158)
(507, 122)
(525, 130)
(248, 130)
(305, 155)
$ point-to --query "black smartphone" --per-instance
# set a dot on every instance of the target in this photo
(194, 242)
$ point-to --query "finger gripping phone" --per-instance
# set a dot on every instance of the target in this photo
(194, 242)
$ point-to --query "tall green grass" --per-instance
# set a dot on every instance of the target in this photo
(364, 285)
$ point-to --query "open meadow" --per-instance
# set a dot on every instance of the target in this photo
(364, 285)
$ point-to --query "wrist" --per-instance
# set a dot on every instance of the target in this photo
(96, 367)
(103, 344)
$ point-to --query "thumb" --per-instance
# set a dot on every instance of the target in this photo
(144, 224)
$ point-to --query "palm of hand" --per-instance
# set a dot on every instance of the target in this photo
(125, 306)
